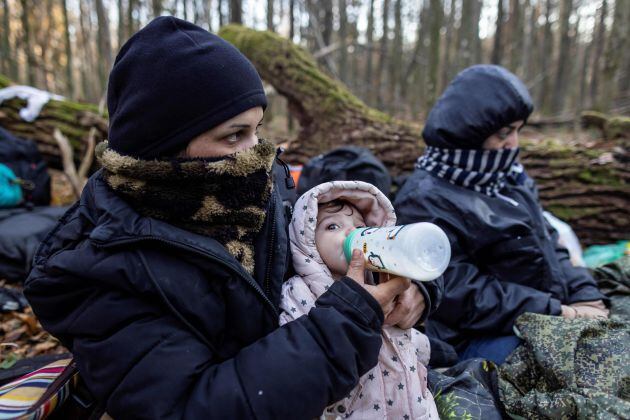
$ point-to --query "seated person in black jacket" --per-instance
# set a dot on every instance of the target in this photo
(506, 259)
(164, 278)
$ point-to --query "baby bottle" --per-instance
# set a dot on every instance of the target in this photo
(419, 251)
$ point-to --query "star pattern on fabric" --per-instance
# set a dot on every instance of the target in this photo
(371, 377)
(303, 302)
(376, 407)
(307, 260)
(302, 232)
(406, 417)
(361, 395)
(304, 207)
(400, 343)
(311, 220)
(401, 386)
(412, 368)
(390, 402)
(293, 309)
(394, 359)
(419, 400)
(385, 372)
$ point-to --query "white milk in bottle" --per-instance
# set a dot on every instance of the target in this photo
(419, 251)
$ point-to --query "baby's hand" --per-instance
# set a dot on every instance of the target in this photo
(409, 306)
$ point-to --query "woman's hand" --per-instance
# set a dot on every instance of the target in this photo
(593, 309)
(409, 305)
(385, 293)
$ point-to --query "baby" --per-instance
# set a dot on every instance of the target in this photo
(397, 386)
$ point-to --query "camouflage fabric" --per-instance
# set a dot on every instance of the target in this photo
(573, 369)
(467, 391)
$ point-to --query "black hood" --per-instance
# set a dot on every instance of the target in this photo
(476, 104)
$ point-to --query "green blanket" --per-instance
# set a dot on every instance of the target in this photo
(573, 369)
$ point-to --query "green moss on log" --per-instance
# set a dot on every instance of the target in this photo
(567, 213)
(601, 175)
(276, 57)
(617, 126)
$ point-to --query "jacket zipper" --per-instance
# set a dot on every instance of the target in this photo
(270, 247)
(197, 251)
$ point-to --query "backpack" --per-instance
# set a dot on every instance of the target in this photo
(23, 158)
(348, 163)
(10, 191)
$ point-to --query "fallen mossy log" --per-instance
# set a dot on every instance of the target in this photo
(612, 126)
(75, 121)
(586, 187)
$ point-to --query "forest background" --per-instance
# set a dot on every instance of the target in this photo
(395, 55)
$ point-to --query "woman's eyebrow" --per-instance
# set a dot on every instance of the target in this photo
(239, 126)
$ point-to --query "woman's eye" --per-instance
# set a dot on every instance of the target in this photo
(233, 138)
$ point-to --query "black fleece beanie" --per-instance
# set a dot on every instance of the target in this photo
(172, 81)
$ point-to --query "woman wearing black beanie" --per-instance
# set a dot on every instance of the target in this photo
(506, 259)
(164, 278)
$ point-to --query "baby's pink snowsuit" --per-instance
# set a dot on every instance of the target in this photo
(396, 387)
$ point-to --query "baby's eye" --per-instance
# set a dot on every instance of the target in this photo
(332, 226)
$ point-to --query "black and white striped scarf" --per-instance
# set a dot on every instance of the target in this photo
(480, 170)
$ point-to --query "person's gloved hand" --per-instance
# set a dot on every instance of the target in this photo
(591, 309)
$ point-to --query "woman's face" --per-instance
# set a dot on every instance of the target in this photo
(234, 135)
(505, 138)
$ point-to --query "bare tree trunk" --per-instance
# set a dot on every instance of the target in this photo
(515, 44)
(28, 48)
(157, 7)
(594, 198)
(437, 12)
(370, 55)
(418, 65)
(207, 13)
(236, 12)
(468, 34)
(615, 46)
(382, 59)
(343, 40)
(42, 35)
(497, 50)
(530, 44)
(291, 38)
(220, 13)
(104, 44)
(600, 36)
(447, 56)
(559, 92)
(86, 50)
(122, 32)
(69, 72)
(545, 55)
(624, 80)
(131, 22)
(327, 8)
(270, 26)
(395, 62)
(7, 55)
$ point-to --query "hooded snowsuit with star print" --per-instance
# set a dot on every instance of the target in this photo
(397, 386)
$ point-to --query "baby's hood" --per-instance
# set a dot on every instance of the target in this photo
(374, 206)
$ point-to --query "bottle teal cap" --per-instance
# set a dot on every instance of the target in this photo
(347, 244)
